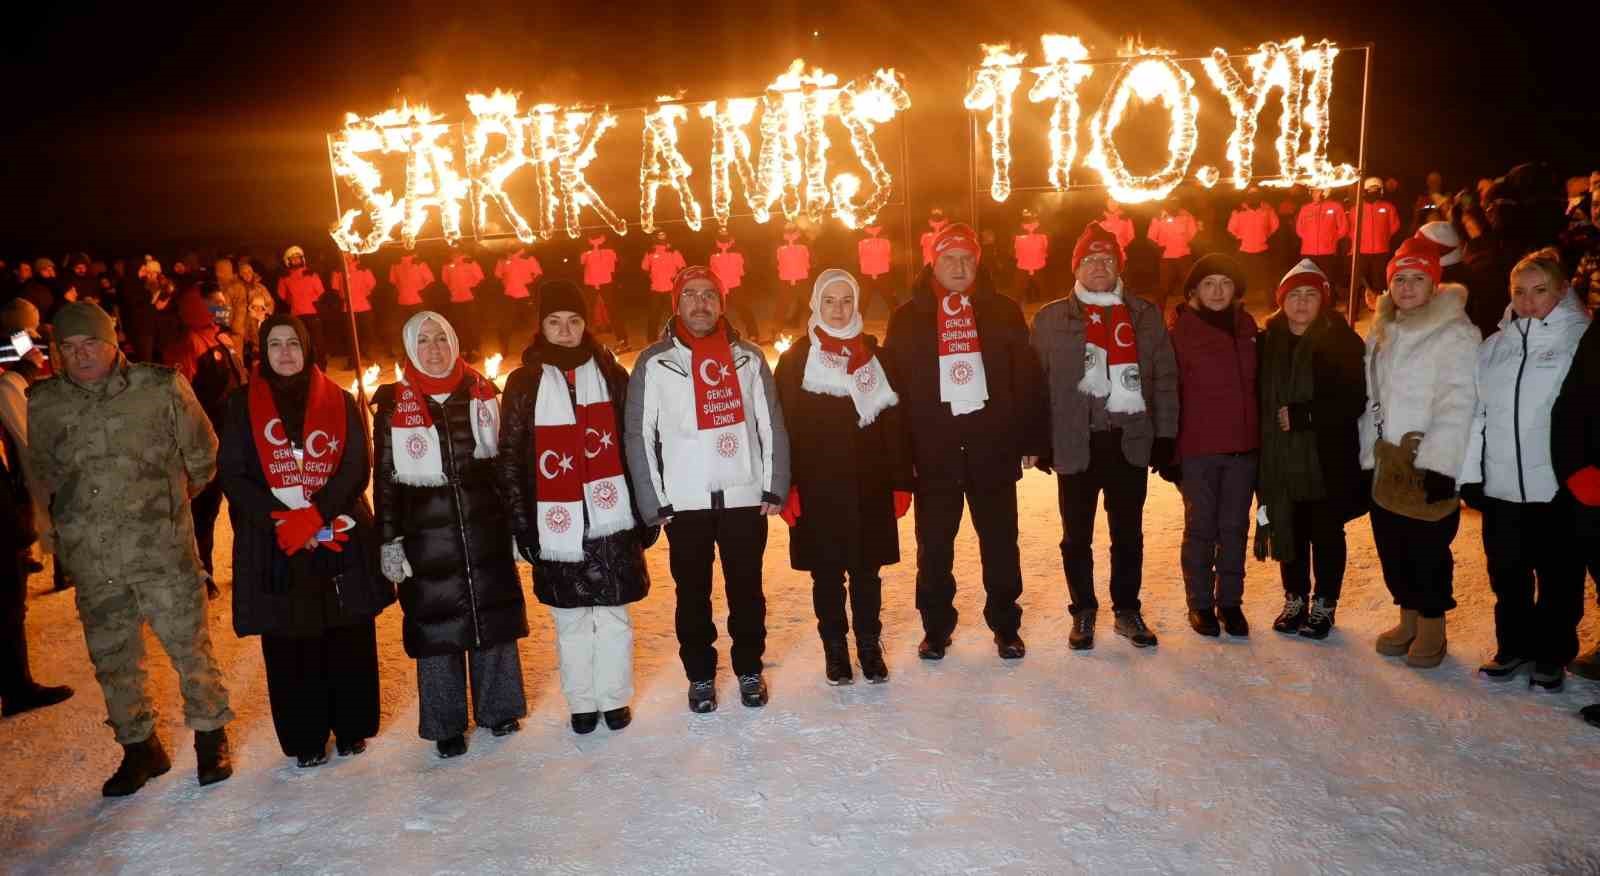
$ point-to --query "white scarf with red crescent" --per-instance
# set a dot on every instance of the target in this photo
(718, 408)
(578, 482)
(1111, 351)
(294, 474)
(962, 381)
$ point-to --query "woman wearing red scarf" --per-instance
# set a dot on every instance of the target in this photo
(293, 464)
(571, 503)
(446, 539)
(851, 471)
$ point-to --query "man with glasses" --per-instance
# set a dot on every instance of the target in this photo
(123, 448)
(1113, 391)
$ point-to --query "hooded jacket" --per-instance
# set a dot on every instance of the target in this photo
(1420, 368)
(1520, 370)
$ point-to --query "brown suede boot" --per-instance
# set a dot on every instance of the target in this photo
(1397, 641)
(1428, 648)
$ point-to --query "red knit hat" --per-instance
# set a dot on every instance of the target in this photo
(956, 235)
(1096, 240)
(695, 272)
(1305, 274)
(1419, 254)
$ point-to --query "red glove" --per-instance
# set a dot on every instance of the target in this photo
(1585, 485)
(902, 503)
(295, 528)
(335, 544)
(791, 508)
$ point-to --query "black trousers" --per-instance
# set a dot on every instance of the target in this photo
(738, 304)
(1418, 567)
(793, 304)
(463, 316)
(880, 287)
(319, 339)
(1028, 287)
(1260, 282)
(1173, 273)
(938, 519)
(516, 326)
(322, 684)
(695, 538)
(1124, 486)
(1525, 542)
(866, 603)
(1319, 546)
(616, 321)
(14, 675)
(658, 311)
(205, 507)
(1588, 525)
(1371, 273)
(366, 338)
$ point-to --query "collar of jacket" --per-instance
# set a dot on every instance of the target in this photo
(1567, 310)
(1449, 302)
(667, 333)
(116, 380)
(922, 290)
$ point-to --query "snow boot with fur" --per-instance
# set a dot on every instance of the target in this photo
(1396, 641)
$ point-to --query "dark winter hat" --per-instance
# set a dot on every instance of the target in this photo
(1215, 263)
(84, 318)
(556, 296)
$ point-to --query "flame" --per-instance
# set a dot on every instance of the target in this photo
(662, 164)
(730, 154)
(793, 162)
(491, 366)
(1315, 170)
(996, 80)
(1152, 75)
(1059, 82)
(432, 183)
(1272, 65)
(399, 373)
(497, 114)
(782, 344)
(864, 104)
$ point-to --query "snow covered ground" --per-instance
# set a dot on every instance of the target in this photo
(1272, 754)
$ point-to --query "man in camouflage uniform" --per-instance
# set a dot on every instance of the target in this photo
(123, 447)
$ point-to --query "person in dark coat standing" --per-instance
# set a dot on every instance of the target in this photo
(1112, 383)
(293, 464)
(1313, 391)
(446, 540)
(571, 504)
(1214, 339)
(1575, 455)
(957, 353)
(851, 473)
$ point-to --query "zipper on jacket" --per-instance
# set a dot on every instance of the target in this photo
(461, 522)
(1516, 410)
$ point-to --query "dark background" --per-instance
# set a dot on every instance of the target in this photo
(133, 126)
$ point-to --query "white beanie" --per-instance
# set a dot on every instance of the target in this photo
(1444, 234)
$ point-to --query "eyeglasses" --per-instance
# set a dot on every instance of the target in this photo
(1103, 261)
(704, 295)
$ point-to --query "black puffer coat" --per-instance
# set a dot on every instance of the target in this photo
(846, 475)
(345, 587)
(464, 592)
(613, 569)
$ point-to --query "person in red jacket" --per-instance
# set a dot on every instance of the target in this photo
(794, 276)
(355, 284)
(1173, 231)
(1380, 222)
(600, 290)
(409, 276)
(875, 254)
(1253, 223)
(662, 263)
(1320, 226)
(728, 264)
(1215, 340)
(936, 224)
(1118, 223)
(1032, 249)
(299, 288)
(461, 275)
(517, 272)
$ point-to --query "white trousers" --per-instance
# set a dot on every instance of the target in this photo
(596, 649)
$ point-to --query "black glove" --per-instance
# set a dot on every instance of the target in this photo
(1437, 487)
(1046, 463)
(1162, 453)
(648, 535)
(1300, 417)
(1171, 473)
(1472, 494)
(528, 546)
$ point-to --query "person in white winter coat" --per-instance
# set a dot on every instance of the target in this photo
(1529, 521)
(1421, 351)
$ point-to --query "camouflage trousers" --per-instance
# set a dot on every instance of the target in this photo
(114, 612)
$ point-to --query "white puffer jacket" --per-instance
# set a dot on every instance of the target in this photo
(1420, 368)
(1520, 370)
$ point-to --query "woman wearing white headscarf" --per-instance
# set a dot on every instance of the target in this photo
(851, 472)
(446, 539)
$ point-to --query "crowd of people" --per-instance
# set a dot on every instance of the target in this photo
(580, 464)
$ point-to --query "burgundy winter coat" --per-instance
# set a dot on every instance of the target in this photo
(1217, 400)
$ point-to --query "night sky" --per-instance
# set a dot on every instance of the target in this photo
(204, 125)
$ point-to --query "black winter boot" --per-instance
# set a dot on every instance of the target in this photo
(1233, 621)
(1082, 636)
(1204, 622)
(870, 653)
(455, 746)
(35, 696)
(932, 649)
(1293, 615)
(753, 690)
(1319, 619)
(618, 718)
(584, 723)
(703, 696)
(212, 763)
(1009, 647)
(836, 662)
(141, 762)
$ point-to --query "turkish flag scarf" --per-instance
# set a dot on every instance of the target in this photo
(1111, 360)
(295, 474)
(962, 381)
(718, 408)
(577, 457)
(418, 460)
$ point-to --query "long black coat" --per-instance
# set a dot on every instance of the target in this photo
(464, 592)
(846, 475)
(613, 570)
(1339, 396)
(1575, 418)
(985, 446)
(349, 588)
